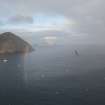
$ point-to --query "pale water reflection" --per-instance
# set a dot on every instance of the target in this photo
(11, 77)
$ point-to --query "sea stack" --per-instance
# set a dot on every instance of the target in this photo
(10, 43)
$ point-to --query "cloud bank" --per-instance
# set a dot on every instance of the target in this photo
(88, 15)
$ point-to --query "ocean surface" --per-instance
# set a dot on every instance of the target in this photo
(58, 72)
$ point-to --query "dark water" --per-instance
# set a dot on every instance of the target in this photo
(54, 76)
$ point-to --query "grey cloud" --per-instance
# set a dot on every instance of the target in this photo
(19, 19)
(89, 14)
(32, 6)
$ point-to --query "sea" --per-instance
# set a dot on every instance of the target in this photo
(63, 69)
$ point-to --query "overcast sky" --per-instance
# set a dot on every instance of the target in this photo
(85, 16)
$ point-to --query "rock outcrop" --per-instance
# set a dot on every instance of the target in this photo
(10, 43)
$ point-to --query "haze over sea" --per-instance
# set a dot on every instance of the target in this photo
(54, 74)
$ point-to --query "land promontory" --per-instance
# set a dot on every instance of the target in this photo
(11, 43)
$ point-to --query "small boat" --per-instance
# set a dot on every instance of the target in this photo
(4, 60)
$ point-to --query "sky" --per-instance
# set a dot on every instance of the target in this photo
(83, 16)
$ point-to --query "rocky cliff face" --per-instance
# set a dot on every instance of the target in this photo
(10, 43)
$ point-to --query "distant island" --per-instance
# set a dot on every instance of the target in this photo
(11, 43)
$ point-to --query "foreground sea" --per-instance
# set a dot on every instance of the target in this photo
(63, 70)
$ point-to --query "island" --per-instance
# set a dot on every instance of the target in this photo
(11, 43)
